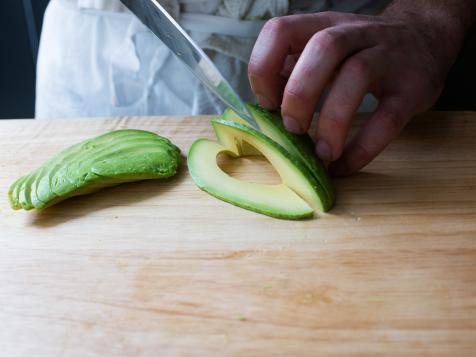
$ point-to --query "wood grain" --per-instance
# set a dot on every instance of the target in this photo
(161, 268)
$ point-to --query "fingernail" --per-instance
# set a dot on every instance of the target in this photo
(292, 125)
(264, 102)
(323, 150)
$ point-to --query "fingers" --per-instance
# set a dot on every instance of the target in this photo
(279, 38)
(289, 65)
(352, 83)
(315, 68)
(384, 125)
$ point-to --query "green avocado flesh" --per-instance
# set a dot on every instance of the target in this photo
(111, 159)
(299, 194)
(300, 146)
(275, 200)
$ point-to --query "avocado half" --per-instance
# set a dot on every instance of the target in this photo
(111, 159)
(305, 184)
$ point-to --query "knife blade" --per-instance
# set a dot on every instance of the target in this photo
(163, 25)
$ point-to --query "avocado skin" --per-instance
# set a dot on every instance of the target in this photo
(301, 146)
(110, 159)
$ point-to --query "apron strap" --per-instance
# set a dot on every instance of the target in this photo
(220, 25)
(196, 22)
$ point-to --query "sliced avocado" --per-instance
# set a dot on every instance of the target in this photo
(293, 172)
(295, 198)
(108, 160)
(273, 200)
(44, 183)
(25, 190)
(301, 146)
(13, 193)
(71, 174)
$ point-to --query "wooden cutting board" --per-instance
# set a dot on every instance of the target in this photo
(161, 268)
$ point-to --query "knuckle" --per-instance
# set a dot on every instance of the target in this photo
(276, 25)
(358, 67)
(362, 154)
(329, 16)
(327, 13)
(326, 17)
(335, 122)
(327, 40)
(294, 89)
(256, 69)
(391, 121)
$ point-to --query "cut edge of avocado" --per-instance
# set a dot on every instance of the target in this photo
(297, 197)
(301, 146)
(265, 145)
(277, 201)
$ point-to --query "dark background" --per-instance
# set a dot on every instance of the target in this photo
(20, 27)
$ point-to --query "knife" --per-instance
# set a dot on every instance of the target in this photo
(159, 21)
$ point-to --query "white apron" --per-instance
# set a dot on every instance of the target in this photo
(96, 59)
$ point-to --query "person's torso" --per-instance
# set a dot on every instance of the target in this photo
(247, 9)
(115, 66)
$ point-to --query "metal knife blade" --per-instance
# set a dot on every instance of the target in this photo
(159, 21)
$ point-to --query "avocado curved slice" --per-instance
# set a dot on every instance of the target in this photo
(298, 195)
(273, 200)
(301, 146)
(294, 173)
(13, 192)
(24, 196)
(110, 159)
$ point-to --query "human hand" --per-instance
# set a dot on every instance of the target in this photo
(402, 60)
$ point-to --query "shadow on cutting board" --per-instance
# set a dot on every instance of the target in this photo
(123, 195)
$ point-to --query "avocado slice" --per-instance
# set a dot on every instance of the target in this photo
(44, 183)
(301, 146)
(274, 200)
(13, 192)
(297, 196)
(110, 159)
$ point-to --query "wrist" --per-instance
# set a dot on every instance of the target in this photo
(442, 25)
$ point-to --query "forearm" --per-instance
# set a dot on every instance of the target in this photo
(443, 23)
